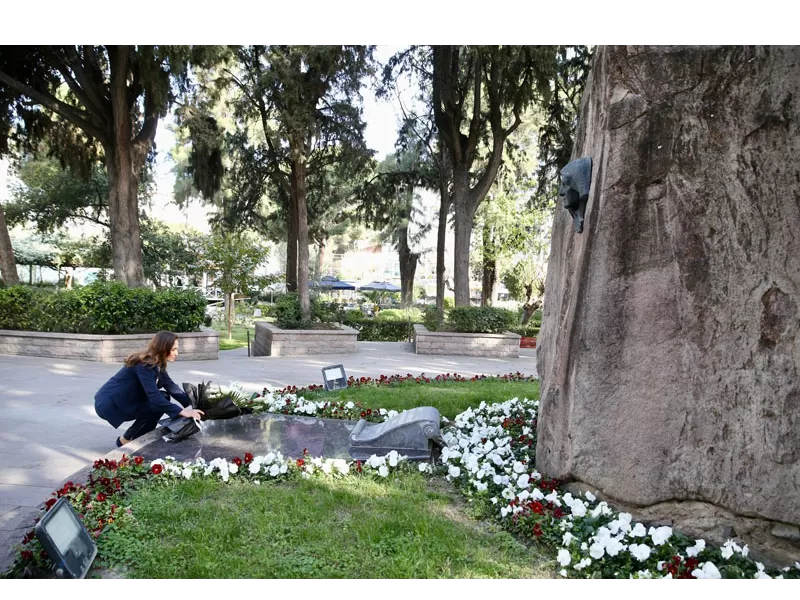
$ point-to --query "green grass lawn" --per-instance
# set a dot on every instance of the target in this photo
(238, 334)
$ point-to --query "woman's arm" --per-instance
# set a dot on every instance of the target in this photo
(156, 400)
(166, 382)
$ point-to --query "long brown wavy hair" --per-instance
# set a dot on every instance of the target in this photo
(156, 353)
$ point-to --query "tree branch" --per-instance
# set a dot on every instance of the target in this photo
(95, 100)
(70, 113)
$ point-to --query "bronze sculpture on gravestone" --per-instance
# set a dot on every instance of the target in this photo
(576, 178)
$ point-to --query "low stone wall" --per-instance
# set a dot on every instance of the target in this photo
(201, 345)
(273, 341)
(465, 344)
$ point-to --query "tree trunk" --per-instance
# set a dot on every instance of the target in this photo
(8, 266)
(291, 243)
(125, 159)
(489, 277)
(464, 215)
(408, 267)
(444, 209)
(299, 191)
(231, 301)
(123, 212)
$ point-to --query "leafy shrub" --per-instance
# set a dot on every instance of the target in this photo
(375, 330)
(432, 320)
(399, 314)
(481, 319)
(287, 312)
(288, 315)
(15, 302)
(530, 329)
(101, 308)
(326, 312)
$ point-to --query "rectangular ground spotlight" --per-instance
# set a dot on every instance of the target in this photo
(334, 377)
(66, 541)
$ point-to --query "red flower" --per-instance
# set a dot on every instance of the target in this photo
(138, 460)
(537, 507)
(27, 555)
(537, 529)
(101, 497)
(300, 462)
(369, 411)
(358, 466)
(49, 504)
(156, 469)
(237, 461)
(363, 414)
(558, 513)
(43, 554)
(305, 451)
(248, 458)
(28, 537)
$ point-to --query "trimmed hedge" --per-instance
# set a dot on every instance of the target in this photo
(481, 319)
(373, 330)
(101, 308)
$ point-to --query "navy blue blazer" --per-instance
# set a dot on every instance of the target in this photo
(134, 391)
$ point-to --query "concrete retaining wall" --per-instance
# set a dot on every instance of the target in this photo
(273, 341)
(465, 344)
(201, 345)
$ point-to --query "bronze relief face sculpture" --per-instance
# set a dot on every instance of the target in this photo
(576, 178)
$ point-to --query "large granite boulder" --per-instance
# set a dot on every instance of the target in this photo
(670, 343)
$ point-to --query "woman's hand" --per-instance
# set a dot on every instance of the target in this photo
(192, 413)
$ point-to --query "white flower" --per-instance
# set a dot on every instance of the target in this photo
(537, 494)
(423, 467)
(524, 495)
(638, 531)
(567, 538)
(745, 551)
(349, 405)
(233, 468)
(563, 572)
(564, 557)
(699, 546)
(518, 467)
(597, 550)
(761, 575)
(614, 547)
(187, 473)
(707, 571)
(480, 486)
(523, 480)
(640, 552)
(274, 470)
(660, 535)
(393, 458)
(646, 574)
(254, 467)
(383, 471)
(578, 509)
(590, 496)
(454, 471)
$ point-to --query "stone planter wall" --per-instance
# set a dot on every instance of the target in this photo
(273, 341)
(465, 344)
(201, 345)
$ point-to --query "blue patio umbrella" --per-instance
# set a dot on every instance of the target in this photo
(379, 286)
(332, 283)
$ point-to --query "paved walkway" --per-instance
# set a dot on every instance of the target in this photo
(49, 432)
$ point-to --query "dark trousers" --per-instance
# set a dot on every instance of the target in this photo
(146, 421)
